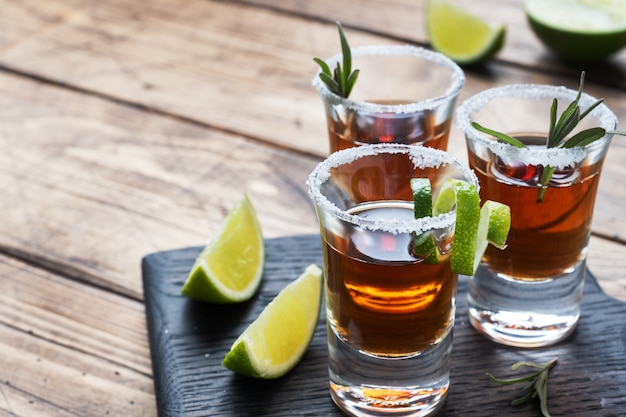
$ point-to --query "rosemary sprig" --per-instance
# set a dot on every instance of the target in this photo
(538, 386)
(558, 131)
(341, 80)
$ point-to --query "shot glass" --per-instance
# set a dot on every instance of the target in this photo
(529, 294)
(404, 94)
(389, 313)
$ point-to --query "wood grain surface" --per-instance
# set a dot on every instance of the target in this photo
(132, 127)
(189, 339)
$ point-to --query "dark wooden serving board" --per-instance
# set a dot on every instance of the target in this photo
(189, 339)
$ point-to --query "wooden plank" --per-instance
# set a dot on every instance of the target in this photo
(91, 186)
(405, 21)
(607, 261)
(177, 60)
(43, 379)
(243, 69)
(183, 79)
(70, 349)
(74, 315)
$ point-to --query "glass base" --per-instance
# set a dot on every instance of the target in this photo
(366, 385)
(525, 313)
(513, 328)
(380, 401)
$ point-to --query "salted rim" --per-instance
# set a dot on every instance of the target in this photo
(556, 157)
(421, 156)
(457, 79)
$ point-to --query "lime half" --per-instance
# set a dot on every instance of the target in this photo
(276, 341)
(582, 30)
(229, 268)
(462, 36)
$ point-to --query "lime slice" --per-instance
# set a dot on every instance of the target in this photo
(465, 244)
(462, 36)
(422, 197)
(446, 197)
(276, 341)
(230, 267)
(582, 30)
(499, 220)
(475, 227)
(493, 227)
(423, 245)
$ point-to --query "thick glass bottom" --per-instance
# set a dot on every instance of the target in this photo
(525, 313)
(382, 401)
(525, 330)
(365, 385)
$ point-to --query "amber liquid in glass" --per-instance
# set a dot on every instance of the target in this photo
(367, 128)
(547, 237)
(383, 177)
(380, 298)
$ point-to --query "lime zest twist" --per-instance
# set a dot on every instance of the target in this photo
(538, 386)
(342, 79)
(475, 227)
(558, 131)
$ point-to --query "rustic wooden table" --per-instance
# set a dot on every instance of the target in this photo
(132, 127)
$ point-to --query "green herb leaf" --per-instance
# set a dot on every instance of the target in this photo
(330, 83)
(590, 108)
(341, 81)
(345, 50)
(538, 386)
(558, 130)
(585, 137)
(553, 112)
(324, 66)
(504, 138)
(351, 81)
(544, 180)
(568, 121)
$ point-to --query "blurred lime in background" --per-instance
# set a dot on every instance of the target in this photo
(464, 37)
(580, 30)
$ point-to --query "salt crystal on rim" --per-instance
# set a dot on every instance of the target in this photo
(555, 157)
(456, 82)
(421, 157)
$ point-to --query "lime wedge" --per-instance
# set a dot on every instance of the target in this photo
(276, 341)
(462, 36)
(582, 30)
(475, 227)
(229, 268)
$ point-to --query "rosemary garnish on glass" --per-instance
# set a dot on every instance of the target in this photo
(537, 386)
(558, 131)
(342, 79)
